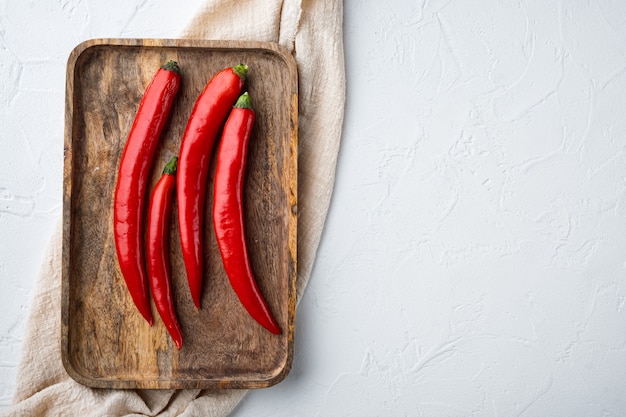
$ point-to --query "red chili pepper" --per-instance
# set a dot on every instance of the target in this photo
(158, 249)
(228, 218)
(132, 178)
(207, 116)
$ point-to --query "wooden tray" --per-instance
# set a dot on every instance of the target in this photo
(105, 341)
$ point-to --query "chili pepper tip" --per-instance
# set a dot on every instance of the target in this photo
(241, 70)
(171, 66)
(244, 101)
(170, 167)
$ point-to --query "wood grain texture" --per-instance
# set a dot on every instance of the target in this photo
(105, 341)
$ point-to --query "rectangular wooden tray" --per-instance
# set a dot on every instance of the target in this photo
(105, 341)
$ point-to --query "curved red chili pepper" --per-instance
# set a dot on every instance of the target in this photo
(132, 178)
(228, 220)
(207, 116)
(158, 249)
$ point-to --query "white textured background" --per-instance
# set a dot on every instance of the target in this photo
(474, 259)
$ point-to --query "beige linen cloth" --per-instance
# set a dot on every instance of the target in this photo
(313, 31)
